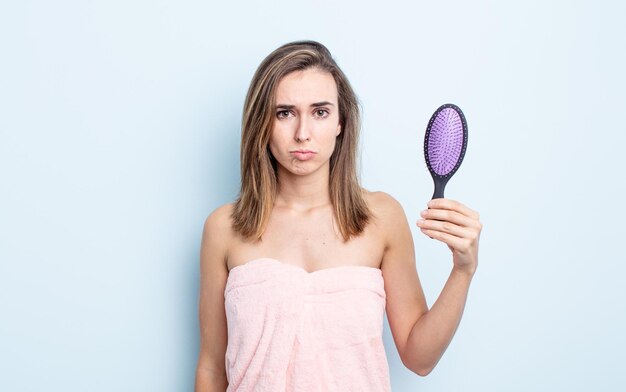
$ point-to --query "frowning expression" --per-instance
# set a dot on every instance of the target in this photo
(306, 123)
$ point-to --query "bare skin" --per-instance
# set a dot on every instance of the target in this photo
(301, 231)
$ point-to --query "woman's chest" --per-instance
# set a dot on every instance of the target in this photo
(312, 243)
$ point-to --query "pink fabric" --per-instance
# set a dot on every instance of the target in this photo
(291, 330)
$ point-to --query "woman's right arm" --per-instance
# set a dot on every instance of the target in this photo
(211, 371)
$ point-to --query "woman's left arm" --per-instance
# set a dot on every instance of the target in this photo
(422, 335)
(459, 227)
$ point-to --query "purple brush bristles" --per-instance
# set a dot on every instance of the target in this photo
(445, 144)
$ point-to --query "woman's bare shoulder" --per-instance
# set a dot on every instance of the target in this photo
(383, 204)
(220, 216)
(218, 227)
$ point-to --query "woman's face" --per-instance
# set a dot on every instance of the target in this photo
(306, 119)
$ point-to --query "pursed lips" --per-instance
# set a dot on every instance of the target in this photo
(303, 155)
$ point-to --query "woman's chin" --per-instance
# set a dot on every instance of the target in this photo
(301, 168)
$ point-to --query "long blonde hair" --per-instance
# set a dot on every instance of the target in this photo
(259, 180)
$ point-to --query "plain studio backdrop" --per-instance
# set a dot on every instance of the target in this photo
(120, 133)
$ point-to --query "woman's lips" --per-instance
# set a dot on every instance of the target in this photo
(303, 156)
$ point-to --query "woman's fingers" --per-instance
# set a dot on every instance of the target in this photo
(450, 217)
(453, 205)
(451, 227)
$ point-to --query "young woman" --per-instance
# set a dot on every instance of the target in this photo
(298, 271)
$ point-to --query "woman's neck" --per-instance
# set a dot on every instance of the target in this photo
(302, 193)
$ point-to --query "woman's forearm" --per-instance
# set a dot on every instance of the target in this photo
(433, 331)
(209, 381)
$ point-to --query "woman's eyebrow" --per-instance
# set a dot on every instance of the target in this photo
(323, 103)
(316, 104)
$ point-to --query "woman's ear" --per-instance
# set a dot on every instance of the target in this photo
(338, 129)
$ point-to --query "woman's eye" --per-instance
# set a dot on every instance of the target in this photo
(283, 114)
(321, 112)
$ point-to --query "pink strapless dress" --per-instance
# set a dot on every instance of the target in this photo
(293, 330)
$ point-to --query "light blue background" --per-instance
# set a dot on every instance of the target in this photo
(120, 133)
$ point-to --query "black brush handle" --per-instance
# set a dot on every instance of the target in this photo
(440, 185)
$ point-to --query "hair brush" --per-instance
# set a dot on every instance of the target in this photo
(445, 143)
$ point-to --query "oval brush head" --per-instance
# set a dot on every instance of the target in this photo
(444, 145)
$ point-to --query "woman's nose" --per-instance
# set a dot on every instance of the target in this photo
(302, 131)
